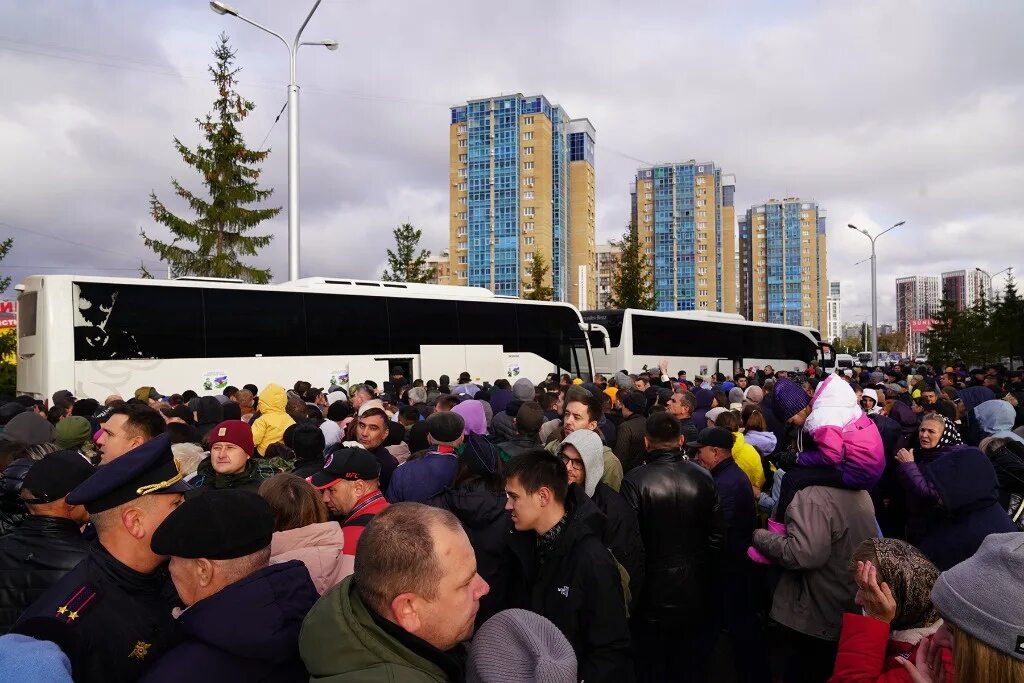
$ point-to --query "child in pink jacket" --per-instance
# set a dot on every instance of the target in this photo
(839, 445)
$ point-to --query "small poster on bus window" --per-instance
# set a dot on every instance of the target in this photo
(214, 381)
(513, 369)
(338, 378)
(703, 371)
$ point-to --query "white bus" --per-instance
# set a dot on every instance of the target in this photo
(702, 342)
(98, 336)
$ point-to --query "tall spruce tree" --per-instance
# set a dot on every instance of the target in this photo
(404, 264)
(629, 286)
(537, 290)
(1008, 324)
(230, 172)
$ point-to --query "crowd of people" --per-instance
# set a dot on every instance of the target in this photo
(861, 525)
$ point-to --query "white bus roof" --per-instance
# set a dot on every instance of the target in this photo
(708, 316)
(309, 284)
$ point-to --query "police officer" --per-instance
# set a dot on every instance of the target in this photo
(112, 613)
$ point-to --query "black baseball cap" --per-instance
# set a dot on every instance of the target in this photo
(349, 464)
(718, 437)
(216, 524)
(56, 475)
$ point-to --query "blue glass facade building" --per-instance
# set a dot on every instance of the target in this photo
(497, 145)
(783, 275)
(685, 220)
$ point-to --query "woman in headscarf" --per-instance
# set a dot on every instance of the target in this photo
(894, 583)
(937, 437)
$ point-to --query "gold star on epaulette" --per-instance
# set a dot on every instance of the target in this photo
(62, 609)
(72, 616)
(140, 650)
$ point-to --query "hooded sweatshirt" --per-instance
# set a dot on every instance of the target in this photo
(591, 449)
(472, 413)
(704, 398)
(248, 631)
(845, 436)
(969, 495)
(996, 418)
(273, 420)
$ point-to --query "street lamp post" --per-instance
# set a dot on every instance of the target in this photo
(874, 288)
(992, 279)
(293, 124)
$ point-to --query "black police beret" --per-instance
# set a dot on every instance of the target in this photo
(216, 524)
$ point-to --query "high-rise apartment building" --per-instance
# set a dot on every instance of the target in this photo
(607, 261)
(686, 223)
(835, 310)
(917, 300)
(783, 274)
(522, 185)
(965, 288)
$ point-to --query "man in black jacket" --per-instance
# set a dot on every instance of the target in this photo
(49, 543)
(569, 576)
(528, 421)
(629, 441)
(683, 533)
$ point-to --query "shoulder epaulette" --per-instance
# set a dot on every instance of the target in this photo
(76, 604)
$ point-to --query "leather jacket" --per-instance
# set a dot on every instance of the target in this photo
(683, 533)
(12, 510)
(34, 557)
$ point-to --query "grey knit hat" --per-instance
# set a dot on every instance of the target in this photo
(516, 646)
(523, 389)
(969, 594)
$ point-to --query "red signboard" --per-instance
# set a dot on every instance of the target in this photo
(8, 314)
(921, 325)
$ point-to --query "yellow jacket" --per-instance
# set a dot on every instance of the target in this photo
(269, 428)
(749, 460)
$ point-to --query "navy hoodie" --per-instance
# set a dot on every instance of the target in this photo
(969, 511)
(249, 631)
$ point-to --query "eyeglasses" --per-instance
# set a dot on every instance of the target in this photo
(574, 463)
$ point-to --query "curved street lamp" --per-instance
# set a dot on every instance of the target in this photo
(223, 8)
(874, 287)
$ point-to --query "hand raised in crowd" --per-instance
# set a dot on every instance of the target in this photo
(927, 666)
(904, 455)
(875, 599)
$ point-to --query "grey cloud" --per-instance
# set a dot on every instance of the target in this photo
(880, 111)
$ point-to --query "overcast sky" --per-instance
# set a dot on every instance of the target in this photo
(881, 111)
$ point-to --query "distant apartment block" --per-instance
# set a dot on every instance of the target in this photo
(965, 288)
(441, 263)
(686, 224)
(522, 185)
(917, 299)
(607, 262)
(835, 310)
(783, 273)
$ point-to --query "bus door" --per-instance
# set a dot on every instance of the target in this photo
(30, 371)
(826, 356)
(730, 367)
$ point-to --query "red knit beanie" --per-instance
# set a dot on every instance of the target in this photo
(233, 431)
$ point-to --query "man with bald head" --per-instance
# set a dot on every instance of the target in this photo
(413, 598)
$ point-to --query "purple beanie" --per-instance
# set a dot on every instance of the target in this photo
(788, 399)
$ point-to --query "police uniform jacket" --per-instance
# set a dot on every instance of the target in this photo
(117, 620)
